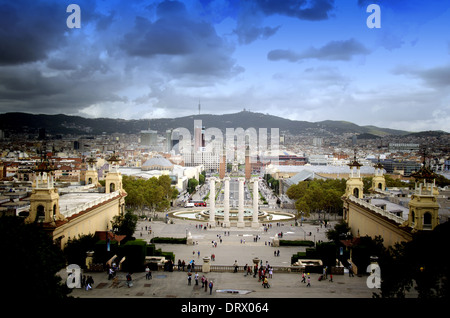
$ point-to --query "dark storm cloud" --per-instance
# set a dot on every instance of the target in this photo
(188, 45)
(249, 26)
(312, 10)
(333, 51)
(29, 30)
(251, 15)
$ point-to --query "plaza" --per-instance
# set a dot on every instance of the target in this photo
(238, 246)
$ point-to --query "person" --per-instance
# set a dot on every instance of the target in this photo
(210, 286)
(206, 284)
(129, 280)
(309, 282)
(148, 273)
(203, 281)
(350, 271)
(303, 277)
(89, 282)
(179, 264)
(270, 272)
(111, 273)
(235, 266)
(331, 277)
(189, 278)
(266, 282)
(249, 270)
(196, 278)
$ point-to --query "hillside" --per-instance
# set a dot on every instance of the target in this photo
(62, 124)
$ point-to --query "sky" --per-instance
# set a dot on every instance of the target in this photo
(309, 60)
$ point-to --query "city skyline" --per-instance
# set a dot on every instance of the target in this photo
(296, 59)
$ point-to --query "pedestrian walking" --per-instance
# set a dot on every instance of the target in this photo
(89, 282)
(110, 274)
(303, 277)
(148, 273)
(308, 281)
(196, 279)
(189, 278)
(331, 277)
(129, 280)
(206, 284)
(350, 271)
(211, 284)
(203, 281)
(236, 266)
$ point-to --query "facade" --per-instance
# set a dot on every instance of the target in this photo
(377, 215)
(80, 211)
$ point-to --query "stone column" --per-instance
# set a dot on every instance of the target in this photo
(212, 202)
(226, 203)
(255, 223)
(241, 222)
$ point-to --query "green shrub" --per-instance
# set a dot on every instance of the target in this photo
(169, 240)
(101, 254)
(296, 243)
(135, 252)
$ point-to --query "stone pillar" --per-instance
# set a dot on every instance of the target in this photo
(212, 202)
(206, 267)
(255, 223)
(241, 222)
(226, 203)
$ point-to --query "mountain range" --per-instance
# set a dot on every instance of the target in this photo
(18, 122)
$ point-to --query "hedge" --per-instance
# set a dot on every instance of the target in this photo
(169, 240)
(135, 252)
(296, 243)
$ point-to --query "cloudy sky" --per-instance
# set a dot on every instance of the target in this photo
(300, 59)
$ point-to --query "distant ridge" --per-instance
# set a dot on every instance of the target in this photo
(63, 124)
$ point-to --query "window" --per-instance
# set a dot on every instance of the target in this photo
(40, 214)
(427, 220)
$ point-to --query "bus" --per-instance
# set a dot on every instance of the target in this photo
(198, 202)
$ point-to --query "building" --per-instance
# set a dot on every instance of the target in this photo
(379, 215)
(149, 139)
(157, 163)
(80, 210)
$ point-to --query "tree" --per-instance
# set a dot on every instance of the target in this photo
(75, 249)
(421, 263)
(340, 232)
(317, 195)
(30, 261)
(124, 224)
(192, 184)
